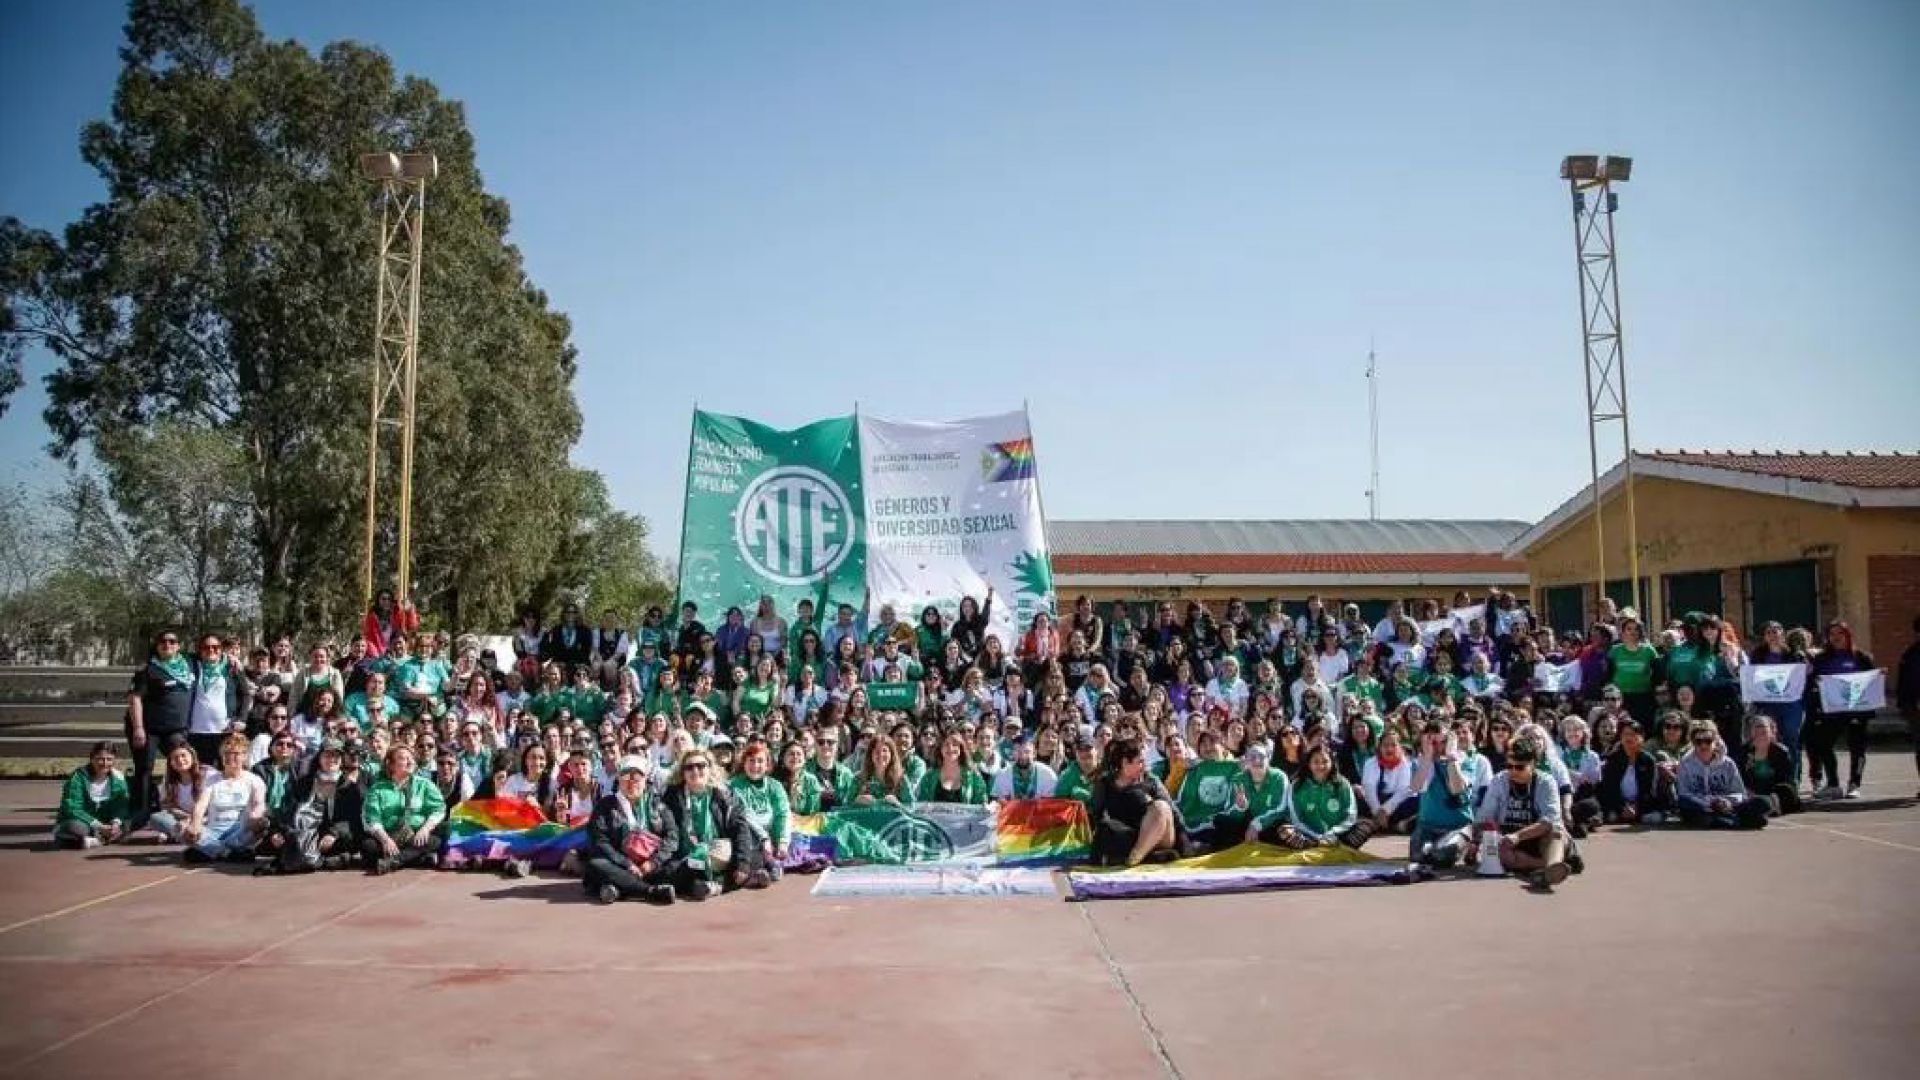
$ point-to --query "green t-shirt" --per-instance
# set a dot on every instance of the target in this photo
(765, 803)
(389, 805)
(1207, 790)
(1633, 668)
(1073, 784)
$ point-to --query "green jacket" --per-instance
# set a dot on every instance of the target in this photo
(77, 805)
(1207, 790)
(1321, 810)
(388, 806)
(973, 787)
(840, 783)
(1073, 785)
(1266, 802)
(765, 803)
(805, 796)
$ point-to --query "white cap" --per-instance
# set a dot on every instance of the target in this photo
(634, 763)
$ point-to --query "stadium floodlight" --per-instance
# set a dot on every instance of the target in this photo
(1580, 167)
(380, 166)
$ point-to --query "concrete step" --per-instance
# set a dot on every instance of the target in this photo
(51, 746)
(75, 685)
(15, 714)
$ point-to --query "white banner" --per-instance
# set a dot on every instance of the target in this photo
(1773, 684)
(952, 509)
(1853, 691)
(1556, 678)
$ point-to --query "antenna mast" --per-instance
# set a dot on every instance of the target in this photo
(1373, 436)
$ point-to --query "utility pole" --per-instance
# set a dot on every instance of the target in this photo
(1590, 179)
(396, 345)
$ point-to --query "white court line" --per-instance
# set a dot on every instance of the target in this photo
(221, 970)
(1778, 824)
(85, 904)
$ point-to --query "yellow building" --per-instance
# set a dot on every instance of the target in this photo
(1794, 537)
(1368, 563)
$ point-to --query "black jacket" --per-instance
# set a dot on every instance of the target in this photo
(1646, 775)
(554, 646)
(1104, 790)
(607, 831)
(345, 807)
(729, 823)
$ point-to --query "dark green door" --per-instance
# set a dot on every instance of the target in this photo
(1693, 592)
(1787, 593)
(1566, 609)
(1372, 611)
(1622, 594)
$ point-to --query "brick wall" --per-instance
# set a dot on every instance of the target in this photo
(1893, 600)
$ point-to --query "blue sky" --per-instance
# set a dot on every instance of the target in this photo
(1170, 228)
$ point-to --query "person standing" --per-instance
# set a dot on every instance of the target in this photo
(159, 704)
(1839, 657)
(1907, 689)
(222, 697)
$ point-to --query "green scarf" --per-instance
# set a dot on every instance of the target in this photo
(177, 669)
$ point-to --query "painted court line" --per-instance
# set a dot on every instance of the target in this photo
(85, 904)
(1778, 824)
(215, 973)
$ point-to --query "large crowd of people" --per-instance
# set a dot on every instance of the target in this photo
(683, 748)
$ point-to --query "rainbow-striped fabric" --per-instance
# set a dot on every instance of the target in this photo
(495, 830)
(1004, 461)
(1025, 832)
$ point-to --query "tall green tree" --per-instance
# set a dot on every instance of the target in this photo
(226, 286)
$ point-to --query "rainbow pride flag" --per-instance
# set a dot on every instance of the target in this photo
(496, 830)
(1004, 461)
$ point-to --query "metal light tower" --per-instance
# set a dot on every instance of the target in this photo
(396, 342)
(1590, 180)
(1373, 437)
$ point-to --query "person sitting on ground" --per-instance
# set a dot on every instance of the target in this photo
(714, 843)
(95, 804)
(399, 815)
(882, 777)
(1386, 782)
(764, 802)
(625, 836)
(1076, 780)
(803, 788)
(836, 780)
(231, 814)
(1322, 808)
(277, 772)
(1633, 789)
(1024, 778)
(1710, 791)
(325, 820)
(1259, 802)
(1523, 808)
(1767, 766)
(1444, 804)
(1134, 819)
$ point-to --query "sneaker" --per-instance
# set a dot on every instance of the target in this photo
(1557, 873)
(660, 894)
(1655, 818)
(380, 867)
(758, 880)
(1576, 862)
(89, 842)
(1540, 882)
(266, 869)
(1419, 871)
(1853, 791)
(519, 868)
(699, 890)
(1831, 791)
(195, 857)
(607, 894)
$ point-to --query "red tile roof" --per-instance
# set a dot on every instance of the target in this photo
(1889, 470)
(1284, 563)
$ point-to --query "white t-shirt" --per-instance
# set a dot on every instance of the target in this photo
(210, 704)
(1041, 777)
(519, 787)
(228, 799)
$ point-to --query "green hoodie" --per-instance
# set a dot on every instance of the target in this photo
(765, 803)
(76, 804)
(1206, 791)
(1266, 801)
(1321, 809)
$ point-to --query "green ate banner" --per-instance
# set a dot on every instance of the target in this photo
(890, 696)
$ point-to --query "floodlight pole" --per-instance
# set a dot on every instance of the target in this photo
(1373, 437)
(1590, 181)
(396, 346)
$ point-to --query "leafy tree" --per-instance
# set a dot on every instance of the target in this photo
(225, 287)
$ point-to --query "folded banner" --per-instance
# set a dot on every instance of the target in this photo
(935, 879)
(1853, 691)
(951, 510)
(1246, 868)
(1773, 684)
(1556, 678)
(495, 830)
(1026, 832)
(771, 512)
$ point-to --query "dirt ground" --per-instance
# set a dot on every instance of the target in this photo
(1788, 953)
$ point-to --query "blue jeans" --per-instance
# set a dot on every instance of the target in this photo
(235, 839)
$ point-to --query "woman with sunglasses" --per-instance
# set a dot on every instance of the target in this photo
(159, 706)
(1709, 789)
(1523, 809)
(714, 841)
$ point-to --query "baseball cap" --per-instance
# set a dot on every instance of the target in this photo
(633, 763)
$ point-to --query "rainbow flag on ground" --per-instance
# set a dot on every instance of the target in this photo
(496, 830)
(1026, 832)
(1246, 868)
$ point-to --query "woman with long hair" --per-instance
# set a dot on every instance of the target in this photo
(953, 779)
(1766, 768)
(802, 786)
(970, 628)
(1788, 718)
(1134, 818)
(882, 777)
(1839, 657)
(180, 783)
(1321, 808)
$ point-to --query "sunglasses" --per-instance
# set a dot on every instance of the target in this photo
(694, 766)
(169, 640)
(1703, 742)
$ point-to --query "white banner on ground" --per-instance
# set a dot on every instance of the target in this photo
(952, 509)
(1853, 691)
(1773, 684)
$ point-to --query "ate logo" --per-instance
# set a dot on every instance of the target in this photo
(794, 525)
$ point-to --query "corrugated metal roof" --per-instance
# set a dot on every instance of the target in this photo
(1071, 563)
(1299, 537)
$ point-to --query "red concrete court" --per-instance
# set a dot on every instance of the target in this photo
(1789, 953)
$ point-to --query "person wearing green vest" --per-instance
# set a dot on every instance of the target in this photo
(765, 803)
(1320, 808)
(399, 816)
(1259, 803)
(954, 779)
(94, 803)
(1635, 662)
(585, 698)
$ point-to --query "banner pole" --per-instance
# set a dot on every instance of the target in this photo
(1040, 501)
(680, 572)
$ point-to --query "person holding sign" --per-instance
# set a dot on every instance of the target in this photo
(1839, 658)
(1778, 648)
